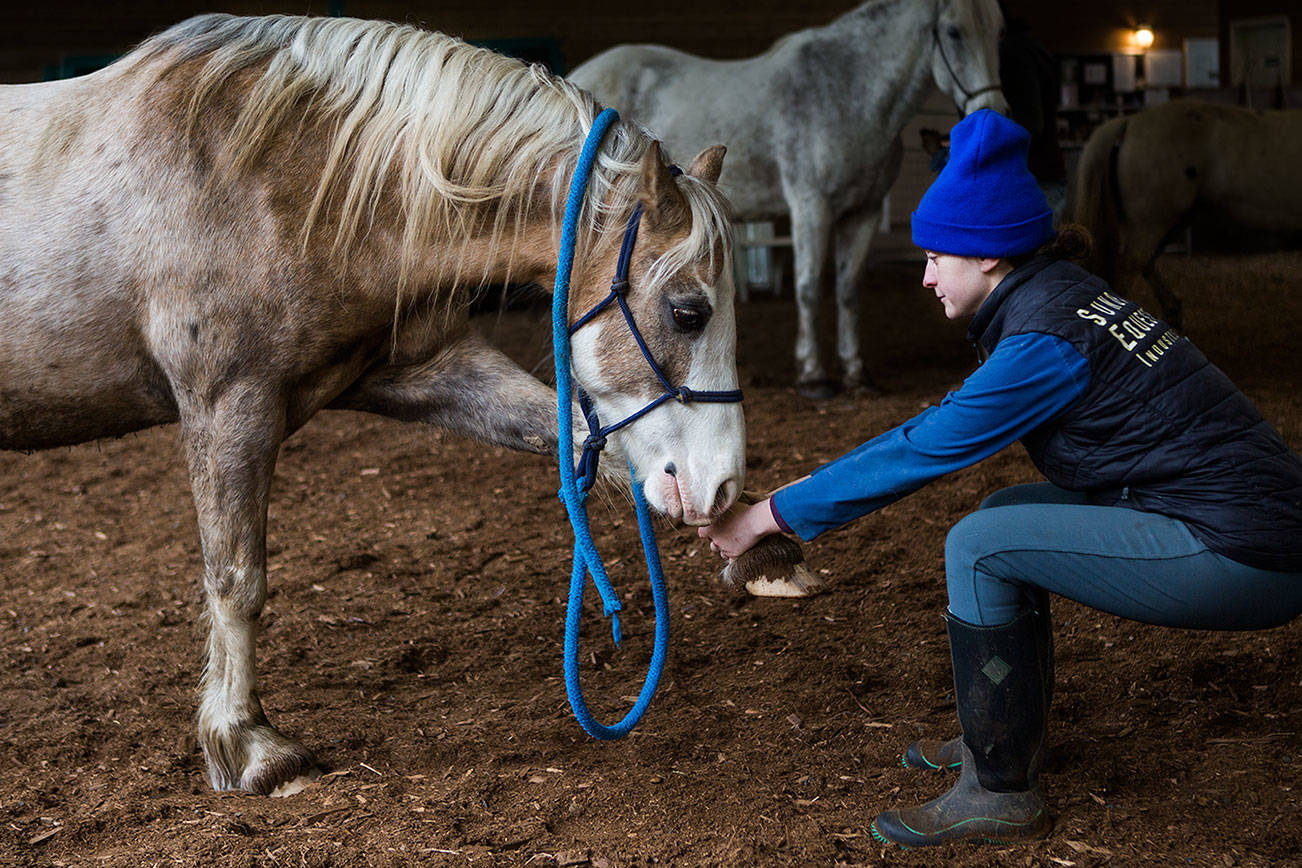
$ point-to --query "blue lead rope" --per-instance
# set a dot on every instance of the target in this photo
(586, 558)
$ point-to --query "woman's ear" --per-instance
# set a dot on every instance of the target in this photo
(988, 265)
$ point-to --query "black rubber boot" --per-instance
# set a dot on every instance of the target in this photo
(929, 754)
(933, 754)
(999, 684)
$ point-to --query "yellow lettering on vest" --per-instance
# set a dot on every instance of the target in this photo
(1125, 342)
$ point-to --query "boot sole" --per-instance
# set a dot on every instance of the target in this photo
(953, 767)
(1036, 829)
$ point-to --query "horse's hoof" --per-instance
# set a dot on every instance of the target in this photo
(259, 760)
(297, 785)
(863, 387)
(773, 568)
(276, 766)
(816, 390)
(795, 582)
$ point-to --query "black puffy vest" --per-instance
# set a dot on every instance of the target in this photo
(1159, 428)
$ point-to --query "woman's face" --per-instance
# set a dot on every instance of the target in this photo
(961, 282)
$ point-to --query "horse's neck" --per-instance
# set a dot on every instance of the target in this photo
(888, 44)
(523, 251)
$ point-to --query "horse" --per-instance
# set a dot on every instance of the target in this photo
(813, 126)
(1142, 177)
(245, 221)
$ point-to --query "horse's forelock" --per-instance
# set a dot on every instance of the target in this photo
(708, 243)
(615, 187)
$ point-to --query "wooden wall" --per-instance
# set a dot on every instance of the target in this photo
(33, 36)
(1107, 25)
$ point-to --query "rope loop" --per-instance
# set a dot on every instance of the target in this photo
(587, 561)
(574, 490)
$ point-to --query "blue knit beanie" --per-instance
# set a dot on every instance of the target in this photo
(985, 201)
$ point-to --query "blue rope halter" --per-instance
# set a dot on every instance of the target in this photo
(586, 558)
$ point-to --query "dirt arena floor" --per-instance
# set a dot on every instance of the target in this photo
(413, 640)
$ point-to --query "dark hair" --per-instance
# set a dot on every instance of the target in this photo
(1072, 242)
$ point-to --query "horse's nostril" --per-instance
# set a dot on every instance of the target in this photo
(724, 497)
(671, 468)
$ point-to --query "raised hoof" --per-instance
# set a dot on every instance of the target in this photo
(816, 390)
(773, 568)
(800, 582)
(259, 760)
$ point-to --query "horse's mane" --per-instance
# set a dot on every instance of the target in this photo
(466, 135)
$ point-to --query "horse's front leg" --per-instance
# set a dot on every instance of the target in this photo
(811, 228)
(474, 389)
(231, 445)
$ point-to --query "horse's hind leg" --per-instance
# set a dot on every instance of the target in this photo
(1172, 306)
(854, 234)
(231, 446)
(1142, 249)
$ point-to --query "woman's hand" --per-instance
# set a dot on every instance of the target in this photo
(740, 528)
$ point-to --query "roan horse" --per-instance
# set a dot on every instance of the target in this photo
(813, 129)
(1142, 177)
(245, 221)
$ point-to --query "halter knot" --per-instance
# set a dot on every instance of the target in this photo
(619, 286)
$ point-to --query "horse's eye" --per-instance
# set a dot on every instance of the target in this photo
(954, 33)
(689, 319)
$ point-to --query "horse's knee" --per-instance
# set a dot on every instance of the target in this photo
(241, 592)
(807, 296)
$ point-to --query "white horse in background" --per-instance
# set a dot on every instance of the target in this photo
(813, 129)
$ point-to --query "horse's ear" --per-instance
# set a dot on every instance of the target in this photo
(708, 164)
(662, 202)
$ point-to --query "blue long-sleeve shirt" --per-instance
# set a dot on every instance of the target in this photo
(1029, 379)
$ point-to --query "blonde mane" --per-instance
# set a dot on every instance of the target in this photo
(465, 135)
